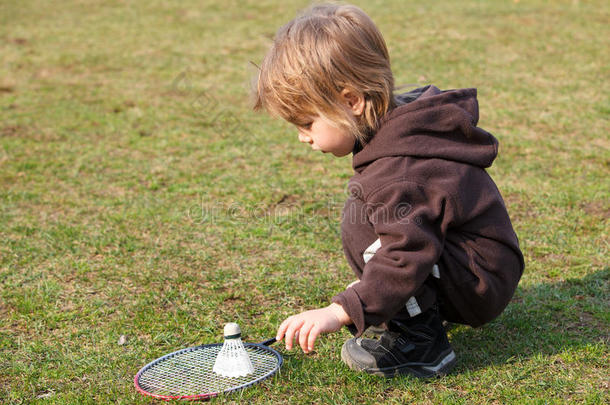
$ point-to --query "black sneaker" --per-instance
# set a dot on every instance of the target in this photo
(418, 347)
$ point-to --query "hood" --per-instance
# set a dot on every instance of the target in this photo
(432, 124)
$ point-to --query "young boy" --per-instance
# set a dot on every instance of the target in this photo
(425, 229)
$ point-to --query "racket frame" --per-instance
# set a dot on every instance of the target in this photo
(263, 345)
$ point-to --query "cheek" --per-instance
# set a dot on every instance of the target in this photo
(348, 146)
(346, 141)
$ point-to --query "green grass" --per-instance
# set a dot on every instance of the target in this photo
(140, 196)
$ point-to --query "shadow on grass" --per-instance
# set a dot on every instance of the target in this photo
(543, 319)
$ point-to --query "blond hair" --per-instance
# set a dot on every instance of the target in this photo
(315, 57)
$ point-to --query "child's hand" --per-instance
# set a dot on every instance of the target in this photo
(310, 324)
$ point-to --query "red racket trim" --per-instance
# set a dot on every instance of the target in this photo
(169, 398)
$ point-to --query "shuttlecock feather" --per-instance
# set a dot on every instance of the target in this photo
(233, 359)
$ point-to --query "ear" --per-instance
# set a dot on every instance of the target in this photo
(353, 100)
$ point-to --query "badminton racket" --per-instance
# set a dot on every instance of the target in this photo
(187, 374)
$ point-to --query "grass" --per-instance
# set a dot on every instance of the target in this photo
(141, 197)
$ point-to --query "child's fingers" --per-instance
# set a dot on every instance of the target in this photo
(293, 326)
(281, 331)
(303, 336)
(313, 335)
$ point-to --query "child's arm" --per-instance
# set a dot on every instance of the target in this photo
(310, 324)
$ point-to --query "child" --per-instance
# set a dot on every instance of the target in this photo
(425, 229)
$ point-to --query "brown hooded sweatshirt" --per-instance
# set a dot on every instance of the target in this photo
(425, 223)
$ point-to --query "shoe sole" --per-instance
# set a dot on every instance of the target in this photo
(441, 367)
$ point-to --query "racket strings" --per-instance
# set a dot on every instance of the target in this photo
(189, 373)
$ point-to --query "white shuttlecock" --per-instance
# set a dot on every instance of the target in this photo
(233, 359)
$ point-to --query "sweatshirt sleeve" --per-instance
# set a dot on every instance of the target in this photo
(409, 220)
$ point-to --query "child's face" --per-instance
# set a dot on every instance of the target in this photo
(323, 136)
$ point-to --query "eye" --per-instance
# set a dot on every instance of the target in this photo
(306, 125)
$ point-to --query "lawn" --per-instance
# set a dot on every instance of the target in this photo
(143, 204)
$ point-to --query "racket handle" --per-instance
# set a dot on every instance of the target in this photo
(268, 342)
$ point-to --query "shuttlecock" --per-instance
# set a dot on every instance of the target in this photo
(233, 359)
